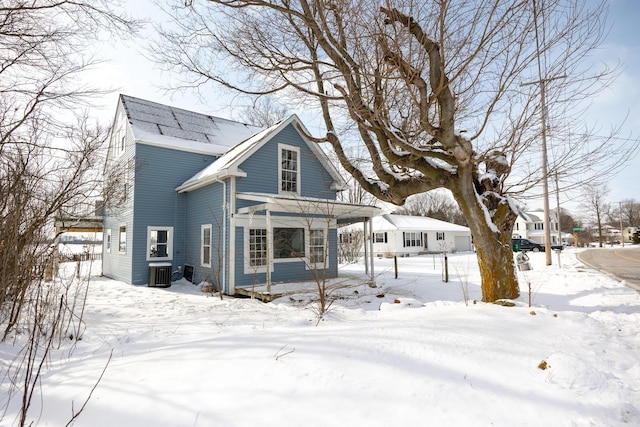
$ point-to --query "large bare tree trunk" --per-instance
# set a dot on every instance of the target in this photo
(431, 93)
(491, 224)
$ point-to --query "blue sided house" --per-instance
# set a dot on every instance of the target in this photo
(237, 205)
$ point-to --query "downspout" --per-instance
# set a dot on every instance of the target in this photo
(224, 233)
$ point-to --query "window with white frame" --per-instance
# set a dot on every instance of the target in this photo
(118, 137)
(159, 243)
(289, 169)
(205, 248)
(380, 237)
(440, 235)
(122, 240)
(317, 247)
(257, 247)
(108, 243)
(412, 239)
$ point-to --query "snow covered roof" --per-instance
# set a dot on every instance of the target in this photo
(228, 164)
(171, 127)
(417, 223)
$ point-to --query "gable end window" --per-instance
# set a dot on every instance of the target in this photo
(289, 169)
(159, 243)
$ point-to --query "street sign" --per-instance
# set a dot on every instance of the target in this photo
(577, 229)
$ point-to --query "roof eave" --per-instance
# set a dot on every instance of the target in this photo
(200, 183)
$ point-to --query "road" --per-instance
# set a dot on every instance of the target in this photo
(621, 263)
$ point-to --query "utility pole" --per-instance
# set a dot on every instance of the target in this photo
(621, 232)
(543, 112)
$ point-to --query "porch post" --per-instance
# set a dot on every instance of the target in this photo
(269, 248)
(365, 243)
(370, 219)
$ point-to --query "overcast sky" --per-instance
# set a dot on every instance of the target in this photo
(129, 72)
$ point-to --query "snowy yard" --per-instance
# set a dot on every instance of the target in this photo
(411, 352)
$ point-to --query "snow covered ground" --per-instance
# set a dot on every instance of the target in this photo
(412, 352)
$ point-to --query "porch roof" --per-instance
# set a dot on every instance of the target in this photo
(344, 212)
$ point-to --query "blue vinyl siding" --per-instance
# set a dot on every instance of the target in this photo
(292, 270)
(262, 168)
(116, 265)
(153, 201)
(205, 206)
(158, 172)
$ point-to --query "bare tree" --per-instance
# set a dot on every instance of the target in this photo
(434, 92)
(265, 112)
(434, 204)
(629, 211)
(49, 151)
(597, 208)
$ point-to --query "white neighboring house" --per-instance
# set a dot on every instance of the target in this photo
(628, 233)
(405, 235)
(530, 225)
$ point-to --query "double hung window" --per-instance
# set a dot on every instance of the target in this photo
(289, 169)
(205, 249)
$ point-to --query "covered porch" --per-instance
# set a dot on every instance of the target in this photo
(341, 213)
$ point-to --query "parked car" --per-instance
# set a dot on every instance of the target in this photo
(526, 245)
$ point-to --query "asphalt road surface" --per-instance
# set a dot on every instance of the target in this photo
(621, 263)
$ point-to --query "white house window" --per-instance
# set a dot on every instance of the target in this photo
(539, 226)
(288, 242)
(122, 240)
(257, 247)
(440, 235)
(205, 249)
(159, 243)
(289, 169)
(412, 239)
(316, 247)
(380, 237)
(108, 243)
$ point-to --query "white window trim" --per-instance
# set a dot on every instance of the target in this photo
(119, 135)
(125, 239)
(203, 227)
(169, 231)
(284, 222)
(298, 172)
(326, 262)
(248, 268)
(108, 243)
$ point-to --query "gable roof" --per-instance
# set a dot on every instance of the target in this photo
(166, 126)
(417, 223)
(228, 164)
